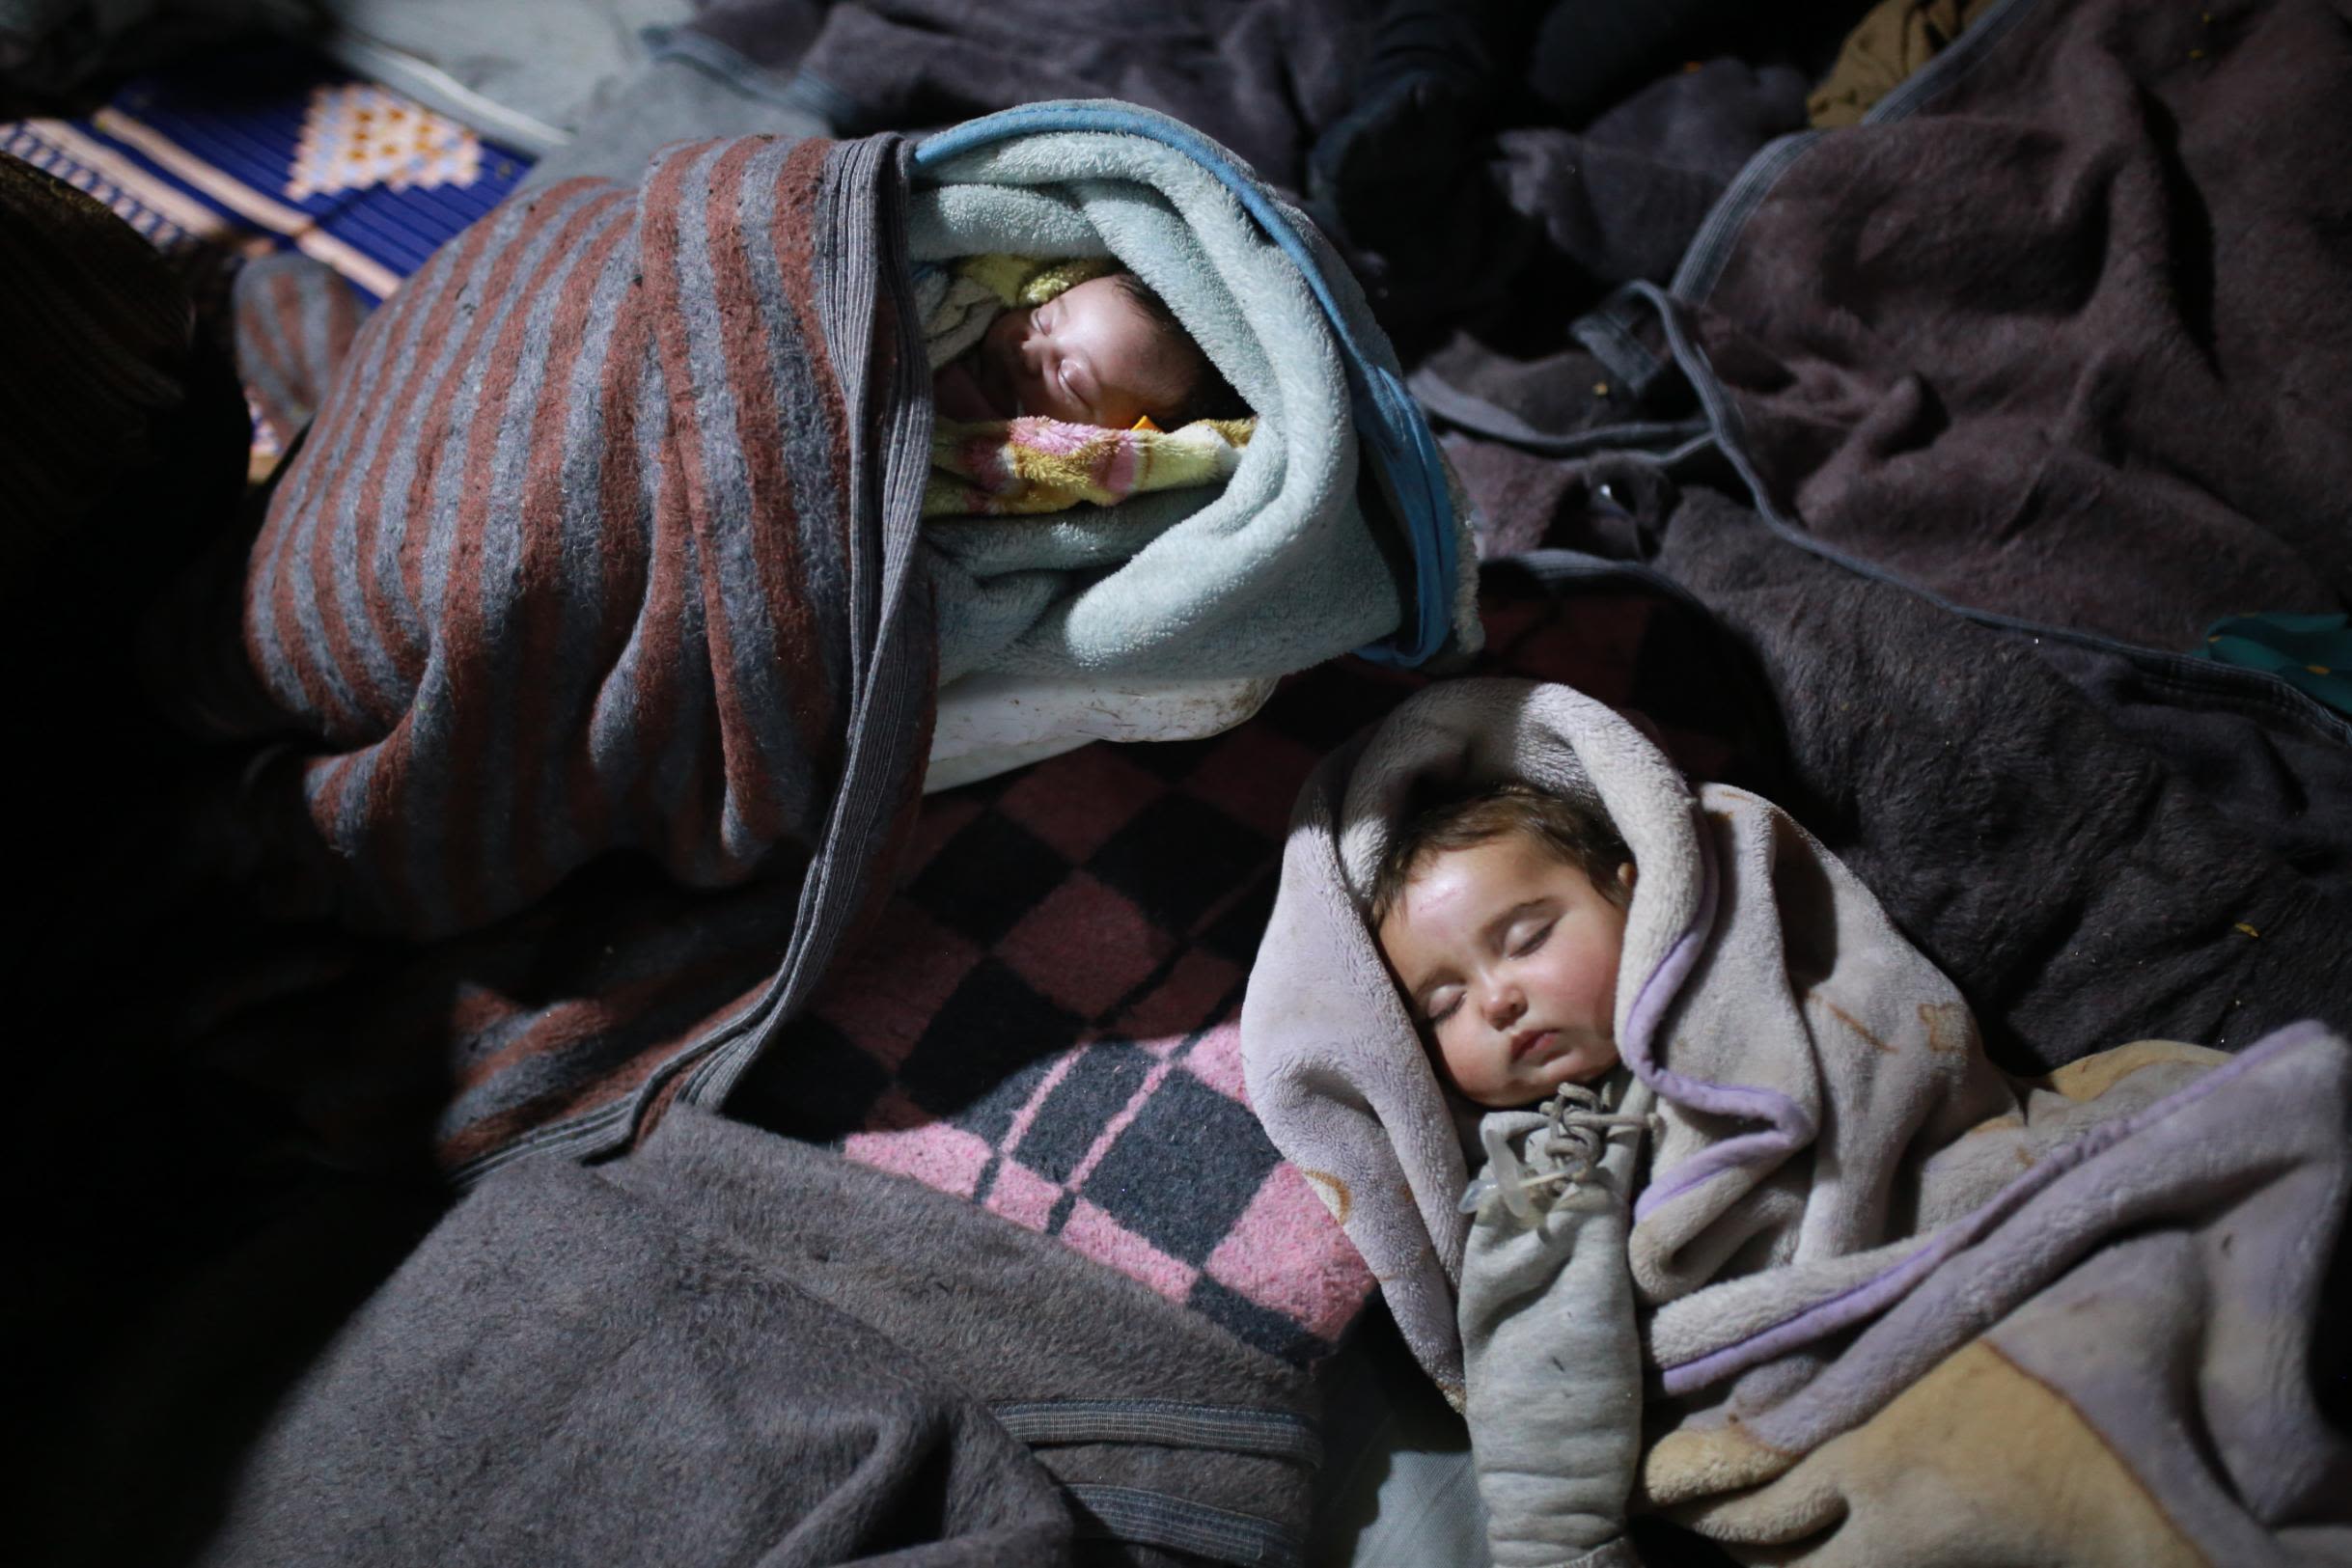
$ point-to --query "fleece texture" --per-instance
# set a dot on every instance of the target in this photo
(1844, 1192)
(601, 548)
(1277, 569)
(1551, 1356)
(733, 1347)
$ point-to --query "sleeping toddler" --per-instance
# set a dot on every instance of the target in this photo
(1501, 915)
(1726, 1091)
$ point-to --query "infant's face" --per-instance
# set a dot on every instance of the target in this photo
(1508, 957)
(1090, 355)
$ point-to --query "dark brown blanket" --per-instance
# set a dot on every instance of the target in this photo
(2068, 339)
(2058, 342)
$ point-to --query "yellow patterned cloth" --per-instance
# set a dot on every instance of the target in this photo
(1002, 468)
(1006, 468)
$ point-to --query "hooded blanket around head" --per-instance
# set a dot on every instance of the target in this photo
(1295, 558)
(1845, 1196)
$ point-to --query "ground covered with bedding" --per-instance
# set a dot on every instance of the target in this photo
(1895, 496)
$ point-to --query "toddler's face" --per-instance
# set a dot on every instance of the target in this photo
(1090, 355)
(1507, 955)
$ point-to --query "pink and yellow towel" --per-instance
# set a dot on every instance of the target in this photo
(1008, 468)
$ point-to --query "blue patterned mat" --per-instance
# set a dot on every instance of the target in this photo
(260, 150)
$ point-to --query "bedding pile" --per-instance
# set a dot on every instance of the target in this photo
(1044, 1020)
(589, 629)
(1849, 1221)
(602, 541)
(733, 1345)
(1985, 408)
(1889, 486)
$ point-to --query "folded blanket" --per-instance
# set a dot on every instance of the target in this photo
(566, 565)
(1551, 1355)
(733, 1340)
(1032, 464)
(602, 541)
(1292, 559)
(1844, 1195)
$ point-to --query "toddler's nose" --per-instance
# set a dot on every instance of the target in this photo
(1503, 1006)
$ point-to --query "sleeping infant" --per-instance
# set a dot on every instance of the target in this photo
(1502, 915)
(1106, 353)
(1062, 383)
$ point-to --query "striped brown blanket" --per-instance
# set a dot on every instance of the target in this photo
(602, 541)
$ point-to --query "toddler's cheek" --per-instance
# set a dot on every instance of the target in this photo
(1588, 1061)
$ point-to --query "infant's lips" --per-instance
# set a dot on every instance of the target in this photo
(1524, 1042)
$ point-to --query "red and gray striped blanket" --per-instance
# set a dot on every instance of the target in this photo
(602, 541)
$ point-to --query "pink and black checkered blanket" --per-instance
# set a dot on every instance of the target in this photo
(1046, 1022)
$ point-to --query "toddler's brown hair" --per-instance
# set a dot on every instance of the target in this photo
(1577, 835)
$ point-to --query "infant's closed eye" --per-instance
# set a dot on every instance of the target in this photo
(1534, 941)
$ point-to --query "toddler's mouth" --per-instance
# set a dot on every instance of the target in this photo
(1527, 1041)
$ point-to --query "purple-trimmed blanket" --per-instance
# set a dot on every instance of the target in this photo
(1899, 1305)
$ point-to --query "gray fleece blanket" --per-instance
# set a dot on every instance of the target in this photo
(733, 1347)
(2060, 333)
(2047, 338)
(1848, 1215)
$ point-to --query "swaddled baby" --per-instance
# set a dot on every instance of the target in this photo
(1061, 382)
(1500, 913)
(1806, 1171)
(1107, 352)
(1464, 860)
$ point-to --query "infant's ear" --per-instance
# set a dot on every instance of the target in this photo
(1626, 873)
